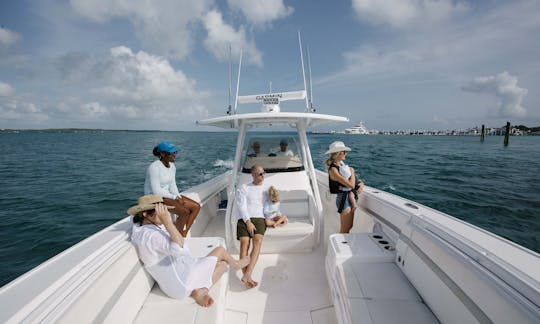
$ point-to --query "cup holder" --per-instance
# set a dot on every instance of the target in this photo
(378, 237)
(210, 245)
(389, 248)
(383, 242)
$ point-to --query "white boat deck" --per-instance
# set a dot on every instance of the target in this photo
(293, 287)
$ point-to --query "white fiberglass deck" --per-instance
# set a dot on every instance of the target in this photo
(293, 287)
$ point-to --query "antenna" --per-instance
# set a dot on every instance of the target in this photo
(311, 108)
(303, 70)
(229, 109)
(238, 82)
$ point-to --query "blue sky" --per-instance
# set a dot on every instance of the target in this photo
(393, 64)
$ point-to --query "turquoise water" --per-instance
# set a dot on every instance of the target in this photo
(59, 188)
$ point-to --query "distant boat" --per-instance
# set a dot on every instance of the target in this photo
(357, 129)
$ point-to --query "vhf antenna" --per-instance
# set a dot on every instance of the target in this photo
(238, 83)
(229, 109)
(311, 108)
(303, 70)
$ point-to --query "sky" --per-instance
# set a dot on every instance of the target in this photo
(162, 65)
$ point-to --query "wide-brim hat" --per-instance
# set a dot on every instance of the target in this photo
(147, 202)
(337, 146)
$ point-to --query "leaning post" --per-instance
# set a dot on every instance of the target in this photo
(507, 134)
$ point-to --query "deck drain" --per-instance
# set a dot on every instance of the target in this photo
(210, 245)
(345, 242)
(378, 237)
(383, 242)
(389, 248)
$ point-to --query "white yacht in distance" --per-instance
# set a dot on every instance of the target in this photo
(357, 129)
(403, 262)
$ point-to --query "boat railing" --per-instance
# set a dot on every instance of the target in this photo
(207, 190)
(507, 277)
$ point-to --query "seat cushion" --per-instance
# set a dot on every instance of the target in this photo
(296, 227)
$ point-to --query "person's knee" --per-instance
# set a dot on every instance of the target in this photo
(244, 242)
(257, 240)
(222, 266)
(220, 250)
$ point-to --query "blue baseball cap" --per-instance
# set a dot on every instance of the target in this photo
(283, 142)
(167, 147)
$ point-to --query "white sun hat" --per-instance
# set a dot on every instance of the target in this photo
(337, 146)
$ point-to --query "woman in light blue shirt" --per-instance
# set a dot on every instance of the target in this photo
(161, 180)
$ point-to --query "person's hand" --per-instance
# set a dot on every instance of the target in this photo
(163, 213)
(250, 228)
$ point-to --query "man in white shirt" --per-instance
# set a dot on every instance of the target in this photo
(251, 227)
(283, 151)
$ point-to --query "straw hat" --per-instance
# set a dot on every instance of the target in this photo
(337, 146)
(147, 202)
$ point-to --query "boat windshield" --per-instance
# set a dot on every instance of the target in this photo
(273, 153)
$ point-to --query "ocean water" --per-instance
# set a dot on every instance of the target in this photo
(58, 188)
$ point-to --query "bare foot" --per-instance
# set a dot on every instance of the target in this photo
(202, 297)
(248, 282)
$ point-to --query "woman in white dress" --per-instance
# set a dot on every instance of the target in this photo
(166, 254)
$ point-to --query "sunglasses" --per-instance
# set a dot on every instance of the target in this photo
(172, 153)
(262, 174)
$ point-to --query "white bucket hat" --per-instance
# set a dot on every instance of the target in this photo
(337, 146)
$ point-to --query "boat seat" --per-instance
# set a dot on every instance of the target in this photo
(366, 284)
(378, 292)
(299, 234)
(158, 308)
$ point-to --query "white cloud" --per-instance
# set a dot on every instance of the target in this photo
(504, 87)
(261, 12)
(8, 37)
(127, 85)
(142, 78)
(16, 108)
(5, 89)
(165, 26)
(221, 35)
(404, 13)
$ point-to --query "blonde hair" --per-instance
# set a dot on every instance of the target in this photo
(273, 193)
(331, 159)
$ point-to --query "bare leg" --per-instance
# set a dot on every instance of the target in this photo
(352, 201)
(182, 215)
(223, 255)
(202, 297)
(257, 243)
(244, 248)
(270, 222)
(193, 207)
(280, 220)
(347, 219)
(221, 268)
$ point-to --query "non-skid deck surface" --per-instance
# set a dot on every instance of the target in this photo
(292, 289)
